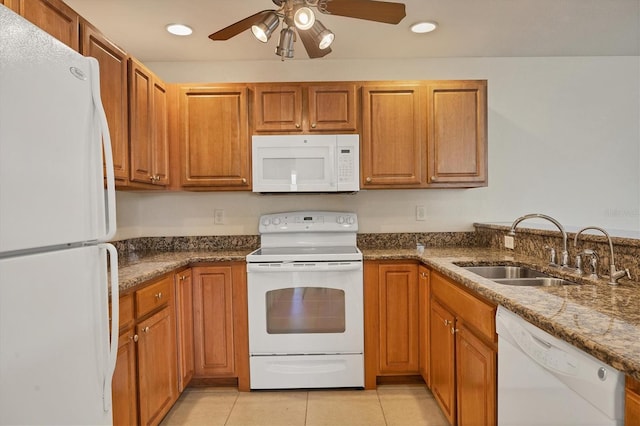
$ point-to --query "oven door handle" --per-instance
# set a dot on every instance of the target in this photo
(304, 266)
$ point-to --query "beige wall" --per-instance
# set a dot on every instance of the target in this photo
(564, 139)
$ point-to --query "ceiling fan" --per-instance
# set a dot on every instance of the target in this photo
(298, 18)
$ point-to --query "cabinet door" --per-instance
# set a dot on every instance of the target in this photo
(632, 402)
(398, 310)
(457, 134)
(213, 322)
(157, 365)
(160, 134)
(424, 295)
(214, 137)
(124, 383)
(476, 374)
(113, 91)
(443, 359)
(52, 16)
(140, 122)
(392, 136)
(277, 108)
(184, 317)
(332, 107)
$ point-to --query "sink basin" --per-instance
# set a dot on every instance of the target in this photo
(501, 271)
(516, 276)
(539, 282)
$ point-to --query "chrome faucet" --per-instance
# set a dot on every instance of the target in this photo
(614, 274)
(565, 252)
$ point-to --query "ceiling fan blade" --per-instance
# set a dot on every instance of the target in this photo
(240, 26)
(370, 10)
(311, 46)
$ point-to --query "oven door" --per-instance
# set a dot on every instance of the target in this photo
(305, 308)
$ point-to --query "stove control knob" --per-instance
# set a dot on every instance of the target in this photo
(340, 220)
(351, 220)
(266, 221)
(276, 221)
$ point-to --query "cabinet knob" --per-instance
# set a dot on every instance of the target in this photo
(159, 296)
(146, 329)
(134, 337)
(297, 125)
(423, 274)
(368, 179)
(453, 330)
(313, 125)
(244, 180)
(447, 322)
(434, 178)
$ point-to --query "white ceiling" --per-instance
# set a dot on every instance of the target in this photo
(484, 28)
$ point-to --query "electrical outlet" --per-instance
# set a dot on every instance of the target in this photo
(218, 217)
(508, 242)
(421, 214)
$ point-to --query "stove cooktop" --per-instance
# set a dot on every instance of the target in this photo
(316, 253)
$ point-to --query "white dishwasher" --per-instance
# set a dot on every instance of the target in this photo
(545, 381)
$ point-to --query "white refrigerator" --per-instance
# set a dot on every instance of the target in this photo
(57, 348)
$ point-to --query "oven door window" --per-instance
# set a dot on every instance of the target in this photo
(306, 310)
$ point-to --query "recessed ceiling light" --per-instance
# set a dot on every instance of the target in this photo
(179, 29)
(424, 27)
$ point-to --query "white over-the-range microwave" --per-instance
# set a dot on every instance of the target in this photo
(306, 163)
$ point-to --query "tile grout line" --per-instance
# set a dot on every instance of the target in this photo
(384, 417)
(231, 410)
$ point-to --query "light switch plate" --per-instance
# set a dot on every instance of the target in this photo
(421, 214)
(218, 217)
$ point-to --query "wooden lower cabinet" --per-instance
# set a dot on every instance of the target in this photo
(391, 320)
(463, 358)
(424, 317)
(476, 369)
(125, 378)
(145, 378)
(221, 344)
(184, 318)
(632, 402)
(443, 359)
(157, 366)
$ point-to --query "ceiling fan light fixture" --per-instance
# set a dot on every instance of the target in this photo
(285, 44)
(304, 18)
(263, 30)
(322, 36)
(424, 27)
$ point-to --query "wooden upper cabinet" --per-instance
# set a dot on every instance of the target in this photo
(148, 131)
(53, 16)
(332, 107)
(277, 108)
(392, 136)
(457, 134)
(113, 91)
(305, 107)
(214, 137)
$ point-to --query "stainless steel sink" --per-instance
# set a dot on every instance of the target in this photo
(516, 275)
(503, 271)
(538, 282)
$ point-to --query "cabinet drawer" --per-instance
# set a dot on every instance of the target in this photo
(474, 312)
(153, 296)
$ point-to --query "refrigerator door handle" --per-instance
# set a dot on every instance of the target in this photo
(106, 145)
(115, 325)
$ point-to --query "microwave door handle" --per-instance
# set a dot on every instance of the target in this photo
(332, 166)
(294, 180)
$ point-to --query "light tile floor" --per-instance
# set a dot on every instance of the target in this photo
(398, 405)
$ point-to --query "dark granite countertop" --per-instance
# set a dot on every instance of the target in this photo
(600, 319)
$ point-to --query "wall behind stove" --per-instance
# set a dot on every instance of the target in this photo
(564, 139)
